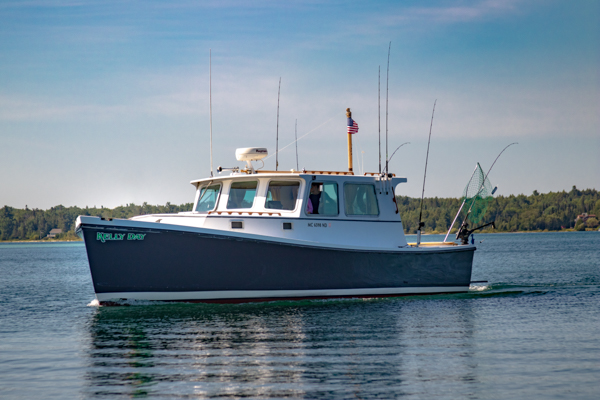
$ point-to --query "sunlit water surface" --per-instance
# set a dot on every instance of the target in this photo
(531, 333)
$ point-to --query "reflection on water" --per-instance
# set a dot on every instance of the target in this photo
(530, 333)
(312, 349)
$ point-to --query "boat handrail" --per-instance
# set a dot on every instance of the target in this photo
(376, 174)
(241, 213)
(305, 172)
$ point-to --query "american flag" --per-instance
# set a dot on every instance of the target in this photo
(352, 126)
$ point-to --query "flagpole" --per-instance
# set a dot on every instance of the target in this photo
(349, 115)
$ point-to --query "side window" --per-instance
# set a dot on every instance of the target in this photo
(323, 199)
(360, 199)
(208, 198)
(282, 195)
(241, 194)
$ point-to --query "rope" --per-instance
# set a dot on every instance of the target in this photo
(307, 133)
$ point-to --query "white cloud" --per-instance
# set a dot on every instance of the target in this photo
(245, 103)
(476, 11)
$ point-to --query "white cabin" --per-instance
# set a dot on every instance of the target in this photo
(346, 210)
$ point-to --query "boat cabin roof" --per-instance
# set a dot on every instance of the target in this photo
(307, 175)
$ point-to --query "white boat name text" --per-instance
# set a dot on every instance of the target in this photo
(103, 237)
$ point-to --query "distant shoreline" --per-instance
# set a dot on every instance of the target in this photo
(552, 212)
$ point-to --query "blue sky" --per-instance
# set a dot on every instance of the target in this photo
(106, 103)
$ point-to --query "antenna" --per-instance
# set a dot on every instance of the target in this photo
(421, 224)
(386, 106)
(210, 106)
(277, 134)
(363, 161)
(296, 137)
(379, 113)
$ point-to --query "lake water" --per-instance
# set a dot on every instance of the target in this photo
(533, 332)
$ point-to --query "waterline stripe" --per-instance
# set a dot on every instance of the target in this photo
(260, 294)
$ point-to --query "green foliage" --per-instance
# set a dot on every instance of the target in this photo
(538, 212)
(592, 222)
(27, 224)
(552, 211)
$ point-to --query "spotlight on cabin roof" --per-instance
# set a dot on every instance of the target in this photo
(251, 153)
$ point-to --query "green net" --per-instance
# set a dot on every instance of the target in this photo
(477, 195)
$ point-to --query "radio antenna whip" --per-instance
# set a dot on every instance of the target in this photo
(379, 113)
(421, 224)
(296, 137)
(210, 106)
(387, 90)
(277, 133)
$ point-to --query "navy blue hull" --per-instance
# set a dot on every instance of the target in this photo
(143, 260)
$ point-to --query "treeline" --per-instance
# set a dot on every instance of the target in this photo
(537, 212)
(552, 211)
(35, 224)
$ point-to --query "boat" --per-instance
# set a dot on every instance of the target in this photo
(256, 235)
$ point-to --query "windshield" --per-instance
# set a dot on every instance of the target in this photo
(208, 198)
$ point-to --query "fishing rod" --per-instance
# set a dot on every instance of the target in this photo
(398, 148)
(421, 224)
(464, 225)
(463, 203)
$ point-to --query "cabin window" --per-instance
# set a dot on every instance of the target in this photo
(282, 195)
(207, 199)
(322, 199)
(360, 199)
(241, 194)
